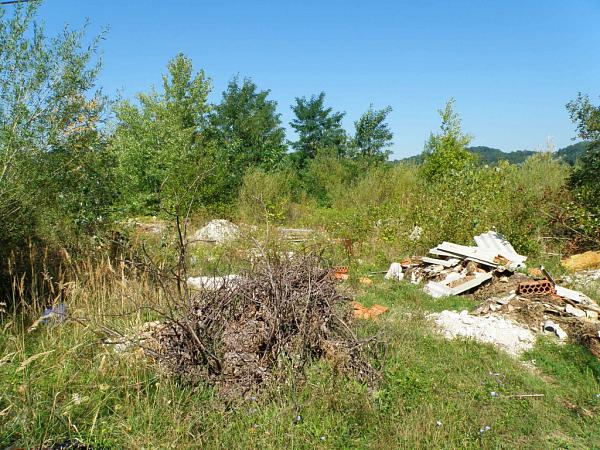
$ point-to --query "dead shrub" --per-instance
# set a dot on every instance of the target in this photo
(285, 311)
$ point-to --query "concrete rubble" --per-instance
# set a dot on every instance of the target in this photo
(504, 333)
(218, 231)
(491, 271)
(212, 283)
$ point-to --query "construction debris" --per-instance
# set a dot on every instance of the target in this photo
(506, 334)
(489, 272)
(555, 328)
(340, 273)
(362, 312)
(212, 283)
(542, 287)
(218, 231)
(394, 272)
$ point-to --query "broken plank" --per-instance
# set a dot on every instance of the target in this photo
(468, 285)
(442, 262)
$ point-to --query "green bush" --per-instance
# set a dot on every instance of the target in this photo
(265, 196)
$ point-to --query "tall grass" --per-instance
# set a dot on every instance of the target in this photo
(60, 382)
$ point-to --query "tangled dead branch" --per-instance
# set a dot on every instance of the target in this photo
(283, 313)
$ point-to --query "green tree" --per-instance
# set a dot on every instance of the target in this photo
(586, 175)
(446, 152)
(318, 127)
(246, 124)
(373, 137)
(160, 144)
(47, 105)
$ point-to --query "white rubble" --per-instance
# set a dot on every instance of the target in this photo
(394, 272)
(555, 328)
(504, 333)
(212, 283)
(583, 277)
(219, 231)
(574, 311)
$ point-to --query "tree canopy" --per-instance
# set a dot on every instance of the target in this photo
(318, 127)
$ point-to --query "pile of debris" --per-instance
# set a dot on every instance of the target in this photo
(490, 271)
(218, 231)
(271, 320)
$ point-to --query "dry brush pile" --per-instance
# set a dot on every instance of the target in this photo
(276, 317)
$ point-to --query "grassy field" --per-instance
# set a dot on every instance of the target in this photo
(60, 382)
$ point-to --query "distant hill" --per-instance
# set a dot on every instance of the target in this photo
(490, 155)
(572, 152)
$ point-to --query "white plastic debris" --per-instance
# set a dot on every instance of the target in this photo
(394, 272)
(219, 231)
(501, 332)
(555, 328)
(212, 283)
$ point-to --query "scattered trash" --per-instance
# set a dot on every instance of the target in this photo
(488, 271)
(484, 429)
(504, 333)
(212, 283)
(555, 328)
(394, 272)
(438, 423)
(218, 231)
(340, 272)
(362, 312)
(51, 315)
(587, 260)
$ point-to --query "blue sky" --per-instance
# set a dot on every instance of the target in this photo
(511, 65)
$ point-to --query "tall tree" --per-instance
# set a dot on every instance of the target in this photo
(160, 144)
(47, 104)
(318, 127)
(373, 137)
(446, 152)
(248, 127)
(586, 175)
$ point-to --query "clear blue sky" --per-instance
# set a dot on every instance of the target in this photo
(511, 65)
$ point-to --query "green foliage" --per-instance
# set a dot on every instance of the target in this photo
(446, 152)
(49, 122)
(265, 197)
(163, 157)
(373, 137)
(327, 175)
(318, 127)
(248, 128)
(585, 178)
